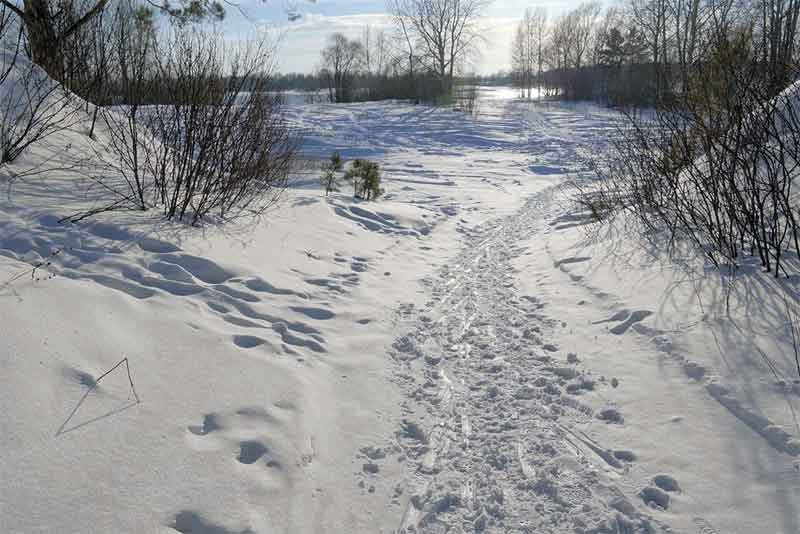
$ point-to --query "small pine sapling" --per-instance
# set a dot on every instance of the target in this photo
(330, 173)
(366, 177)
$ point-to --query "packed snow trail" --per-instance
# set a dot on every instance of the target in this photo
(487, 434)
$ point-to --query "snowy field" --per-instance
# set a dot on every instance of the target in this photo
(464, 355)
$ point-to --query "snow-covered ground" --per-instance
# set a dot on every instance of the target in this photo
(459, 356)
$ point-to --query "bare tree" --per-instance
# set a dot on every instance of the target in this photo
(524, 51)
(33, 106)
(537, 28)
(650, 16)
(582, 23)
(670, 39)
(778, 32)
(50, 24)
(341, 61)
(380, 52)
(367, 43)
(519, 71)
(688, 22)
(403, 33)
(375, 50)
(528, 50)
(447, 31)
(557, 53)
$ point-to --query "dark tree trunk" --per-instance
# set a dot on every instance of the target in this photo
(43, 40)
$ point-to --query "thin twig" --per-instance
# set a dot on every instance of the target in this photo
(130, 379)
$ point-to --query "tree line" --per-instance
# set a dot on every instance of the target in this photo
(647, 51)
(419, 56)
(713, 162)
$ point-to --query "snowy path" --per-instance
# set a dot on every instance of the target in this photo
(488, 431)
(534, 404)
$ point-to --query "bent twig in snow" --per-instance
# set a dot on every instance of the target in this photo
(130, 379)
(63, 428)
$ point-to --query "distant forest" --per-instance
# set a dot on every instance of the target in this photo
(651, 51)
(634, 52)
(297, 81)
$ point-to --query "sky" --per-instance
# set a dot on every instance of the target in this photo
(300, 41)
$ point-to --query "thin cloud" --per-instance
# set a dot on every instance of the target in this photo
(304, 38)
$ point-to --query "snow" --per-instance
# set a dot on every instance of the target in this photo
(458, 356)
(701, 402)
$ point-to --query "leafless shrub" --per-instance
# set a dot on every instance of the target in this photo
(90, 69)
(716, 167)
(32, 106)
(221, 146)
(466, 98)
(129, 137)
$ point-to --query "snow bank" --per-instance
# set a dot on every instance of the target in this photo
(708, 397)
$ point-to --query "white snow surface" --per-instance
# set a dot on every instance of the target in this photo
(459, 356)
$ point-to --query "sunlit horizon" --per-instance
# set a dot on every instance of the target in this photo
(301, 40)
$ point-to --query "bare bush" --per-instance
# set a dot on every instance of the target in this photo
(32, 106)
(129, 137)
(220, 147)
(466, 98)
(715, 168)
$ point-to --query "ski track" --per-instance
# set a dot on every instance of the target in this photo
(488, 440)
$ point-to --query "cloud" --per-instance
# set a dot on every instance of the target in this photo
(317, 22)
(303, 39)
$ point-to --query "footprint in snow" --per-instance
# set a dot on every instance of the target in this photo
(611, 415)
(627, 319)
(247, 342)
(704, 527)
(567, 261)
(666, 483)
(209, 425)
(318, 314)
(251, 451)
(189, 522)
(625, 456)
(655, 497)
(619, 316)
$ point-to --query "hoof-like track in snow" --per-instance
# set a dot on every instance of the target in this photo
(488, 442)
